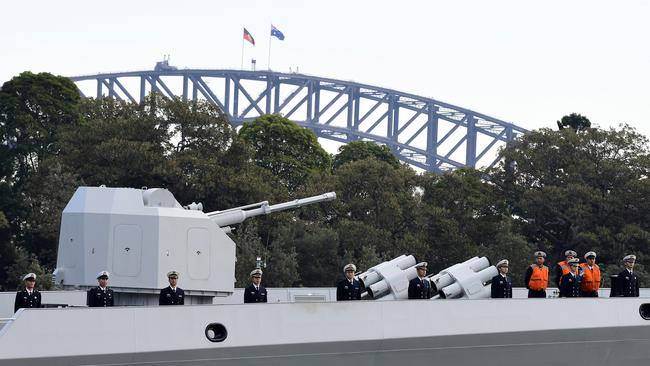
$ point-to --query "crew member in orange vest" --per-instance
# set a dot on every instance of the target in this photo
(537, 276)
(590, 276)
(563, 268)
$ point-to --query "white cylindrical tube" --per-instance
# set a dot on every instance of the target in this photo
(452, 291)
(405, 262)
(368, 278)
(487, 274)
(444, 281)
(378, 289)
(480, 264)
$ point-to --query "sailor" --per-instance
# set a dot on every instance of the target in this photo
(348, 288)
(537, 276)
(100, 296)
(172, 295)
(570, 282)
(627, 282)
(590, 273)
(562, 267)
(501, 283)
(255, 292)
(29, 297)
(419, 287)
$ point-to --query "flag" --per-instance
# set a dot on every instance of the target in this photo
(275, 32)
(249, 37)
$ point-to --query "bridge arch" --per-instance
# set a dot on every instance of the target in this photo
(424, 132)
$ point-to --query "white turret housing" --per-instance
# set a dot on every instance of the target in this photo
(138, 236)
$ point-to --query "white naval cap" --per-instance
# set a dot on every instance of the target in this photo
(573, 261)
(172, 274)
(539, 253)
(421, 265)
(502, 263)
(590, 254)
(629, 258)
(350, 267)
(256, 272)
(29, 275)
(570, 253)
(103, 274)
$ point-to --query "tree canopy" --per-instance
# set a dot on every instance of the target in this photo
(360, 150)
(287, 150)
(578, 188)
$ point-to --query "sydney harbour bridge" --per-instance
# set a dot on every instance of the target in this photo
(424, 132)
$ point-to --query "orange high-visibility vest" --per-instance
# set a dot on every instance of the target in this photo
(539, 278)
(565, 267)
(590, 278)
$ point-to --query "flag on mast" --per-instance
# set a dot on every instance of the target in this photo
(275, 32)
(249, 37)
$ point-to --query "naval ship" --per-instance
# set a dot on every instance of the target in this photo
(141, 234)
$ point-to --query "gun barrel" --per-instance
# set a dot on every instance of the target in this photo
(239, 214)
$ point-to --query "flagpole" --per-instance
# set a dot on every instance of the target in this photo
(242, 53)
(269, 60)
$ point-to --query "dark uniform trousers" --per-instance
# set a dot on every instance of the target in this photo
(171, 297)
(96, 297)
(627, 284)
(346, 290)
(501, 287)
(419, 289)
(25, 300)
(254, 295)
(589, 294)
(535, 293)
(570, 285)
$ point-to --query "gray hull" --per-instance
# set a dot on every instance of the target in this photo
(609, 346)
(478, 332)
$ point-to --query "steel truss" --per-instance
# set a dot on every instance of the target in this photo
(424, 132)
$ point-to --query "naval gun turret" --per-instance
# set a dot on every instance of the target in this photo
(390, 280)
(139, 235)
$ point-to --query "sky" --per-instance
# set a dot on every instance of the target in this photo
(525, 62)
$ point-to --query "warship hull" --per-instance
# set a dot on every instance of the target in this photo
(601, 331)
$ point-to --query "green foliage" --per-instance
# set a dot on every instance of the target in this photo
(118, 144)
(287, 150)
(360, 150)
(575, 121)
(25, 263)
(32, 109)
(553, 190)
(249, 247)
(579, 191)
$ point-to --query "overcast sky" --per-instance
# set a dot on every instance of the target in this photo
(525, 62)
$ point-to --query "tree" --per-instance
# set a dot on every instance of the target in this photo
(287, 150)
(46, 194)
(210, 162)
(581, 191)
(462, 216)
(32, 109)
(249, 248)
(574, 121)
(118, 144)
(359, 150)
(372, 192)
(25, 263)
